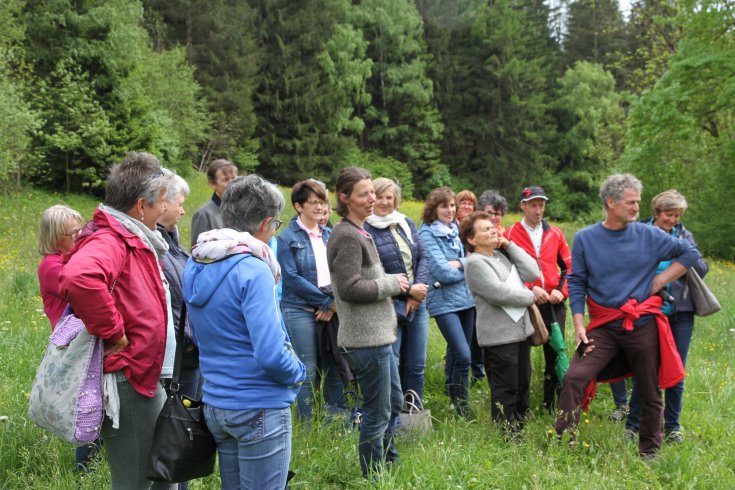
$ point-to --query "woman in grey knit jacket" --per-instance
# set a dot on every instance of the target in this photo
(494, 273)
(362, 292)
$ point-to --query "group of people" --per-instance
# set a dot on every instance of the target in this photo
(325, 309)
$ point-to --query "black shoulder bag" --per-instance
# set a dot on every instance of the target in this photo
(183, 448)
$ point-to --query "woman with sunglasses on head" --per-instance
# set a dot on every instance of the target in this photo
(113, 280)
(307, 303)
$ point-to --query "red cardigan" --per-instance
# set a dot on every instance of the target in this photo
(112, 281)
(671, 370)
(554, 261)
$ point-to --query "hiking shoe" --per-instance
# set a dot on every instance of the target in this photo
(619, 414)
(675, 437)
(649, 457)
(630, 435)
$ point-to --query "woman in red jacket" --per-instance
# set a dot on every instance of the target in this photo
(112, 279)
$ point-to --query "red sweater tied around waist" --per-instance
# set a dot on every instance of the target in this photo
(671, 369)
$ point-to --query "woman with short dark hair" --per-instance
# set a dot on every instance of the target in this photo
(307, 303)
(401, 252)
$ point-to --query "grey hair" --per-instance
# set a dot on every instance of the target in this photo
(138, 176)
(248, 200)
(615, 185)
(52, 227)
(668, 200)
(176, 185)
(494, 199)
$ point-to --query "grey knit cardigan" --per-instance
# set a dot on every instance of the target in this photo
(362, 290)
(485, 278)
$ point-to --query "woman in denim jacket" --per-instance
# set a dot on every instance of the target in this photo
(449, 301)
(401, 252)
(307, 304)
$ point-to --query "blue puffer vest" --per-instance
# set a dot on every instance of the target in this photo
(390, 257)
(448, 291)
(298, 269)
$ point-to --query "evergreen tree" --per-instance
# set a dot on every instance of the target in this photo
(491, 86)
(102, 91)
(219, 39)
(310, 79)
(652, 37)
(596, 33)
(17, 120)
(402, 122)
(590, 132)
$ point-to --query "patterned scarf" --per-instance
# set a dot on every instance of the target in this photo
(215, 245)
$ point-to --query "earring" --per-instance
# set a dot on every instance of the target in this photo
(142, 217)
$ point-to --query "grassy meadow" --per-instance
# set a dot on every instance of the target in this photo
(456, 454)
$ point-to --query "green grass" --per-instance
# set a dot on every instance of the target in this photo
(456, 454)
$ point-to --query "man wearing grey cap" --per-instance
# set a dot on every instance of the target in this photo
(548, 246)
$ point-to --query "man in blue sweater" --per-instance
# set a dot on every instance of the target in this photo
(614, 269)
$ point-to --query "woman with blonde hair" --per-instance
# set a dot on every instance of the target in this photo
(60, 226)
(668, 207)
(401, 252)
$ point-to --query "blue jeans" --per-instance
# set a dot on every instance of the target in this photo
(253, 445)
(682, 327)
(410, 350)
(376, 372)
(301, 326)
(457, 327)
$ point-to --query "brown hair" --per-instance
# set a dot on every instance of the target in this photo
(220, 164)
(436, 198)
(467, 228)
(301, 190)
(348, 178)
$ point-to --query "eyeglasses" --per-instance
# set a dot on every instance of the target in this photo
(277, 223)
(316, 203)
(73, 233)
(494, 213)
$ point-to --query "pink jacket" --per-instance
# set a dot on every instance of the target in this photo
(112, 281)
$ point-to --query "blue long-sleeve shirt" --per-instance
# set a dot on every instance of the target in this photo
(612, 266)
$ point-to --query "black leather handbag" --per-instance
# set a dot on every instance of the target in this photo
(183, 448)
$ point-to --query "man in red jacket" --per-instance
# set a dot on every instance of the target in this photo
(548, 246)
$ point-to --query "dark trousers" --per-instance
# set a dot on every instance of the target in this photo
(552, 313)
(640, 348)
(510, 380)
